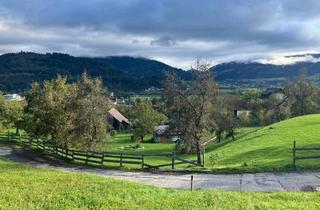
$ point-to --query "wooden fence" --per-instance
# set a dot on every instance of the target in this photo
(100, 158)
(296, 150)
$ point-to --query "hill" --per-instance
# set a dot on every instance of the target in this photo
(25, 187)
(19, 70)
(268, 148)
(263, 75)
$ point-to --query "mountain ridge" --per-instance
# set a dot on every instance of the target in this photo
(136, 74)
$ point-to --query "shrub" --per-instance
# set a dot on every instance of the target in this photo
(113, 133)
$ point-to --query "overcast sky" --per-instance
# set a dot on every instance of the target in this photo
(172, 31)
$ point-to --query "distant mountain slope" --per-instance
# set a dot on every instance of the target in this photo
(19, 70)
(142, 66)
(235, 71)
(152, 71)
(263, 75)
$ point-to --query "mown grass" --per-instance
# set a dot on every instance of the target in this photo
(24, 187)
(268, 148)
(260, 149)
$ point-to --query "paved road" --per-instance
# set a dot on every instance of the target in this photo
(263, 182)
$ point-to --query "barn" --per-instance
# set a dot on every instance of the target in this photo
(117, 120)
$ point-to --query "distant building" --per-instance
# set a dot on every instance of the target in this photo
(162, 133)
(117, 120)
(13, 97)
(238, 113)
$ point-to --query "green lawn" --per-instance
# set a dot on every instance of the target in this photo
(114, 144)
(24, 187)
(263, 149)
(268, 148)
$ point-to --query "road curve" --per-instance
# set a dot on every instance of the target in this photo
(258, 182)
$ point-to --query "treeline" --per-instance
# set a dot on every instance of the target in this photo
(295, 98)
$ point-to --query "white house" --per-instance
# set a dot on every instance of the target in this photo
(13, 97)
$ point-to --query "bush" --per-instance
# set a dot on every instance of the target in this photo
(113, 133)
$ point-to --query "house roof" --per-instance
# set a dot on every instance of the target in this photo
(160, 129)
(118, 116)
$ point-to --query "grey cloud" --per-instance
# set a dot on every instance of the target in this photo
(163, 41)
(248, 27)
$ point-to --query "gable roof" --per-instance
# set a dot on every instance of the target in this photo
(118, 116)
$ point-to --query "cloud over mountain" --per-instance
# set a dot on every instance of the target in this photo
(173, 31)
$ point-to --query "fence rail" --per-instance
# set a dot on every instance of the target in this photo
(296, 149)
(100, 158)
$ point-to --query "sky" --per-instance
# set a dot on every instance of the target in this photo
(176, 32)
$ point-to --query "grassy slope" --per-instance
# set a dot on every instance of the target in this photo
(23, 187)
(268, 148)
(150, 147)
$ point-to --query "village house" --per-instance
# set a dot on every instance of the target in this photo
(162, 133)
(117, 120)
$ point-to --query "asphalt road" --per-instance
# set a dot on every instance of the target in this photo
(261, 182)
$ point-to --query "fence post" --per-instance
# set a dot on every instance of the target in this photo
(203, 156)
(121, 159)
(142, 161)
(294, 153)
(102, 158)
(172, 159)
(191, 184)
(87, 157)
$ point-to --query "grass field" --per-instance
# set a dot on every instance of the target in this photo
(263, 149)
(24, 187)
(268, 148)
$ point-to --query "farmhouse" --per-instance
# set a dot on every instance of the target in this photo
(162, 133)
(117, 120)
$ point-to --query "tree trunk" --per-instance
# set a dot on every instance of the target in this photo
(141, 138)
(219, 136)
(17, 130)
(199, 157)
(232, 135)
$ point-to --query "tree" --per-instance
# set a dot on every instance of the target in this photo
(190, 105)
(145, 118)
(251, 94)
(90, 107)
(303, 95)
(2, 106)
(70, 114)
(222, 116)
(49, 113)
(13, 114)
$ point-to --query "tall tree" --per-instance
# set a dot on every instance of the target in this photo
(145, 118)
(90, 108)
(48, 113)
(191, 104)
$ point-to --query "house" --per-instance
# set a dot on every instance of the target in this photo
(238, 113)
(117, 120)
(162, 133)
(13, 97)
